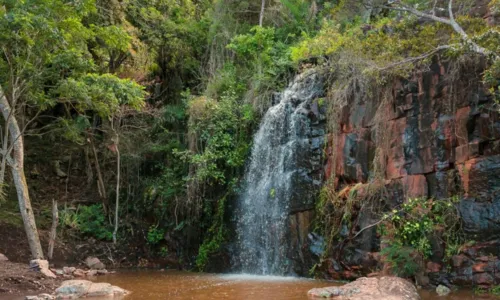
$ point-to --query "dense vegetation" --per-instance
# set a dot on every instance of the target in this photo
(162, 96)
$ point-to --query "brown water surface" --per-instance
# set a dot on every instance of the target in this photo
(175, 285)
(156, 285)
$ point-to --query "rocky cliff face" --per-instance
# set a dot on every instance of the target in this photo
(435, 135)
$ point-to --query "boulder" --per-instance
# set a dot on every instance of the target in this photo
(442, 290)
(79, 273)
(58, 272)
(102, 272)
(94, 263)
(105, 290)
(69, 270)
(74, 289)
(382, 288)
(42, 266)
(40, 297)
(3, 258)
(92, 273)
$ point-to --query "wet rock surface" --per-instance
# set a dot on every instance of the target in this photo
(436, 136)
(74, 289)
(383, 288)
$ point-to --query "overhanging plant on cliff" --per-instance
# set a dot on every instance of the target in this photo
(408, 233)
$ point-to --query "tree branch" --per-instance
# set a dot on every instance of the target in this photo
(451, 21)
(417, 58)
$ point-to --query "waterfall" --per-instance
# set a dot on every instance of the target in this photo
(269, 182)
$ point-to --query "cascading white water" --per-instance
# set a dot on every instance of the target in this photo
(264, 203)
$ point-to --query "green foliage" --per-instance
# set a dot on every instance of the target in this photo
(155, 235)
(408, 232)
(378, 45)
(101, 93)
(481, 291)
(163, 251)
(384, 45)
(257, 45)
(262, 65)
(216, 236)
(88, 220)
(402, 259)
(420, 217)
(74, 129)
(222, 129)
(46, 42)
(175, 32)
(225, 80)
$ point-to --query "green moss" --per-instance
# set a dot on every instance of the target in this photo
(216, 236)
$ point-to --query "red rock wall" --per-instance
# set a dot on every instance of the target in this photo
(435, 135)
(425, 137)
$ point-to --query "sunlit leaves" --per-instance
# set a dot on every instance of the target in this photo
(221, 128)
(101, 93)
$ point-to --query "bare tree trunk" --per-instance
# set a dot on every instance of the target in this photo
(117, 200)
(261, 16)
(16, 163)
(100, 181)
(53, 229)
(5, 149)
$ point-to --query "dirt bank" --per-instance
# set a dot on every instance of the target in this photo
(16, 278)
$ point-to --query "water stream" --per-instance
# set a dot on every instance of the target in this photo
(269, 181)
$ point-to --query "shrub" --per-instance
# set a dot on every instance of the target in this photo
(89, 220)
(155, 235)
(408, 231)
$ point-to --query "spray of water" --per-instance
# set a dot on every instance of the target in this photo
(264, 203)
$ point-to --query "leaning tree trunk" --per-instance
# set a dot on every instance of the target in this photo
(17, 167)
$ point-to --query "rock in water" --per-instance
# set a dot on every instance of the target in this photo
(69, 270)
(3, 258)
(442, 290)
(94, 263)
(42, 266)
(74, 289)
(383, 288)
(79, 273)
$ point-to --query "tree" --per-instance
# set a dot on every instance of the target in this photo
(33, 55)
(44, 62)
(107, 95)
(14, 155)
